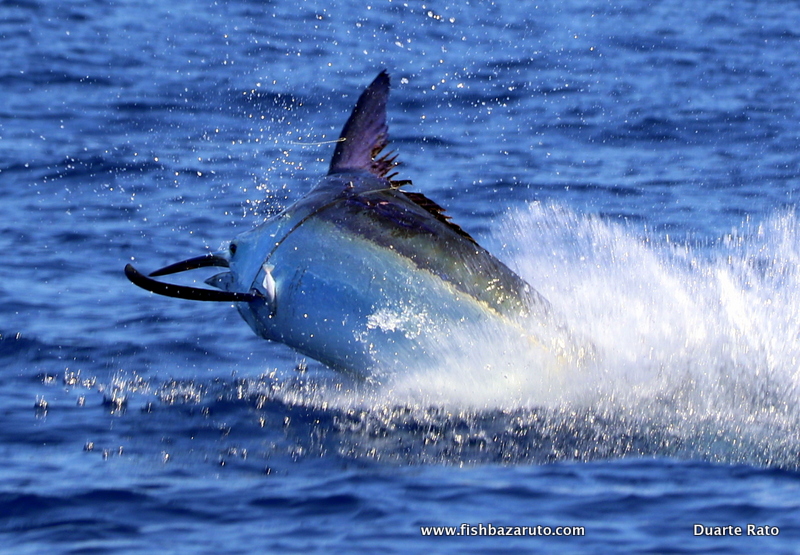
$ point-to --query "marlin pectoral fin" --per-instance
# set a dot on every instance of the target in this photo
(268, 283)
(222, 281)
(186, 292)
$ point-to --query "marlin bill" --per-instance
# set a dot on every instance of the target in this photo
(364, 275)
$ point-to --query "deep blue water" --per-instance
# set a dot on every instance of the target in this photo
(637, 163)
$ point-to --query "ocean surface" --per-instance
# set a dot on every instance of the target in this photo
(638, 163)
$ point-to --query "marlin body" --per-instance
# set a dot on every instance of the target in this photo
(361, 274)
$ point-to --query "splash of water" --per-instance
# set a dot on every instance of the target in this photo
(695, 352)
(714, 328)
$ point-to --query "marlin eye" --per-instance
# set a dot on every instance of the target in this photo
(232, 248)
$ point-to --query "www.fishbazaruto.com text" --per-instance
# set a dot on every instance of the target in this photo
(492, 530)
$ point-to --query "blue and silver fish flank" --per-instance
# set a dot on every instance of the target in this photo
(362, 274)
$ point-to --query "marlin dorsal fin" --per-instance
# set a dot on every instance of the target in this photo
(363, 138)
(366, 134)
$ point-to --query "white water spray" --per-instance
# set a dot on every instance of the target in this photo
(696, 347)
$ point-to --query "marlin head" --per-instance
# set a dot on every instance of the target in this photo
(364, 136)
(360, 271)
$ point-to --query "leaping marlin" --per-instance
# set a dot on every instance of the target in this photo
(361, 273)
